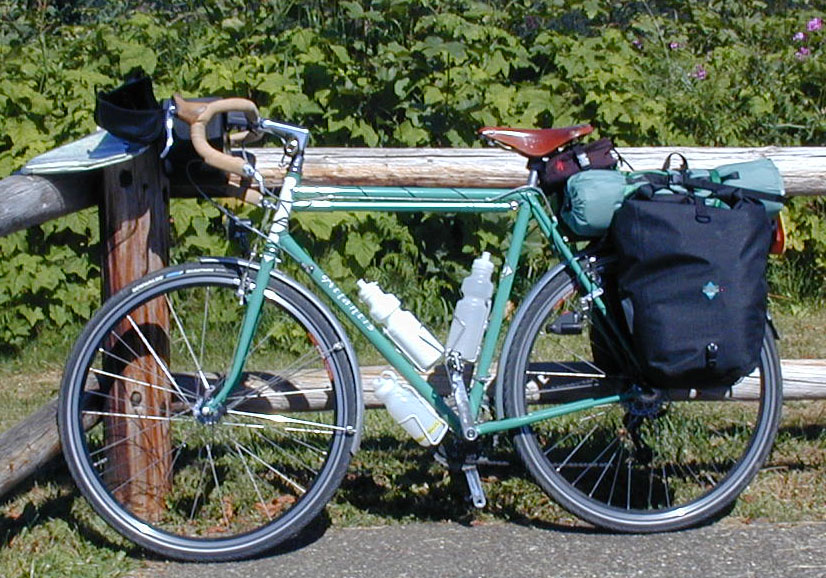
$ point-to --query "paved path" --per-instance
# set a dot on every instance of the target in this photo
(725, 549)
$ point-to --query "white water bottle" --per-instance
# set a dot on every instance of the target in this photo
(471, 314)
(415, 415)
(402, 327)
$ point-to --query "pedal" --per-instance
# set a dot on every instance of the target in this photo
(474, 484)
(569, 323)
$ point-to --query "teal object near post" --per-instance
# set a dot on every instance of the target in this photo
(760, 175)
(591, 199)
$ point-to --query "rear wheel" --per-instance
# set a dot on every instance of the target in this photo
(664, 459)
(216, 487)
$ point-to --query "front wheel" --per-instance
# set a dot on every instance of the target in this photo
(660, 460)
(183, 482)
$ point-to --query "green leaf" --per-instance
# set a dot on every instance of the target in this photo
(362, 247)
(233, 24)
(137, 56)
(320, 225)
(32, 314)
(410, 135)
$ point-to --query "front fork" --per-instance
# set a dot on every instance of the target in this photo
(213, 404)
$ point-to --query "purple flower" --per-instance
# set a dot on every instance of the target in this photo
(802, 53)
(700, 72)
(675, 46)
(814, 24)
(799, 37)
(637, 42)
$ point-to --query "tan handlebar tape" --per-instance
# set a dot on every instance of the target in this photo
(198, 115)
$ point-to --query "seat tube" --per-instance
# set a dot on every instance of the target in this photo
(503, 291)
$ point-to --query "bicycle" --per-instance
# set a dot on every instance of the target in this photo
(250, 436)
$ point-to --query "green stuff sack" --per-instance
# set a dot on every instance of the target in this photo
(760, 175)
(591, 199)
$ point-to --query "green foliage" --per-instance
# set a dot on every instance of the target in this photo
(401, 73)
(44, 276)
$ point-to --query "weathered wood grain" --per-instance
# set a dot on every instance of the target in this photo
(135, 234)
(29, 200)
(26, 201)
(803, 168)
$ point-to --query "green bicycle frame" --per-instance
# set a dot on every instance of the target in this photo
(525, 202)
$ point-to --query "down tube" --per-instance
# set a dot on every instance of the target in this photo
(364, 324)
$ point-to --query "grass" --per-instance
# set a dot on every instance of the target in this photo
(48, 530)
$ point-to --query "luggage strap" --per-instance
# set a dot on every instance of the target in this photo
(722, 191)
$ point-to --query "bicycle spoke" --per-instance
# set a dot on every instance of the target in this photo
(104, 456)
(135, 362)
(138, 362)
(612, 493)
(577, 448)
(137, 474)
(320, 453)
(252, 480)
(211, 462)
(201, 486)
(161, 363)
(594, 462)
(134, 435)
(204, 324)
(180, 326)
(278, 473)
(282, 419)
(289, 457)
(132, 380)
(605, 469)
(284, 376)
(667, 489)
(572, 433)
(629, 476)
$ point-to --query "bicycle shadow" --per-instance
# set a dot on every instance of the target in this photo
(420, 489)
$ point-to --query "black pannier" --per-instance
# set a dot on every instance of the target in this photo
(691, 280)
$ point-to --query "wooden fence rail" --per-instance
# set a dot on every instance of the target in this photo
(27, 200)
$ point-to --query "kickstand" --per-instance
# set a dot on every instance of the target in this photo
(474, 483)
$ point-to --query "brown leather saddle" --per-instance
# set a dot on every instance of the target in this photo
(534, 143)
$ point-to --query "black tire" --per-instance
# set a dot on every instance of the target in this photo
(219, 489)
(662, 463)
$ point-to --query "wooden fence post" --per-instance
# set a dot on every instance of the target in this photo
(134, 219)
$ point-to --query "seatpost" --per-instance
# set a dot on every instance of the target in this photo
(533, 178)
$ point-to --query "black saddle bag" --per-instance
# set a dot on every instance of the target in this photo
(559, 167)
(692, 285)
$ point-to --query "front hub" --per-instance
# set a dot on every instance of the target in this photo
(206, 414)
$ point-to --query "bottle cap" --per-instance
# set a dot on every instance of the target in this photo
(483, 263)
